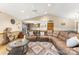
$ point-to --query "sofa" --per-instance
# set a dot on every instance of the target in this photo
(59, 42)
(2, 38)
(58, 39)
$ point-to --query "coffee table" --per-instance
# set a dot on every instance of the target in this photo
(18, 47)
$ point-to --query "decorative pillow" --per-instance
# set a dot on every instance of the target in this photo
(72, 42)
(11, 37)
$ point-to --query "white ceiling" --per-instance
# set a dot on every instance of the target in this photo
(29, 10)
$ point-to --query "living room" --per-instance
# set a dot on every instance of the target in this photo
(39, 28)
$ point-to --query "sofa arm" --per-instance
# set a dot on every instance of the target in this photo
(61, 47)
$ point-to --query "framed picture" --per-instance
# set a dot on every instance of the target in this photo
(12, 21)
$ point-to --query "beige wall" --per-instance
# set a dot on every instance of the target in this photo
(5, 22)
(69, 24)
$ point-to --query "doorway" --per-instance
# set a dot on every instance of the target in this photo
(50, 26)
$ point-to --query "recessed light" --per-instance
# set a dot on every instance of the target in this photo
(22, 11)
(27, 17)
(45, 12)
(33, 7)
(49, 5)
(77, 12)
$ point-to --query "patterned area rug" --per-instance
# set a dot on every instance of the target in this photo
(41, 48)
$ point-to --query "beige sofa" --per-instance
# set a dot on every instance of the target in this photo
(59, 38)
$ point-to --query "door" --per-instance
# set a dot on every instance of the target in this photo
(50, 26)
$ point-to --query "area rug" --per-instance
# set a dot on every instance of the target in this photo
(41, 48)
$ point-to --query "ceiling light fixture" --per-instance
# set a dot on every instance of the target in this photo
(45, 12)
(34, 10)
(33, 7)
(49, 5)
(27, 17)
(22, 11)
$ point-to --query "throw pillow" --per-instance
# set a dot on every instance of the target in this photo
(72, 42)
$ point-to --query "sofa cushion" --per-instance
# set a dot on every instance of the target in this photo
(64, 33)
(61, 37)
(55, 33)
(71, 34)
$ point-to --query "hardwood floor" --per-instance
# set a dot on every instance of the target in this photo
(3, 50)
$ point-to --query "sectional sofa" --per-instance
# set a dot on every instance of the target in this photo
(58, 39)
